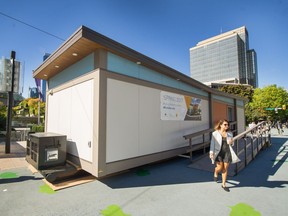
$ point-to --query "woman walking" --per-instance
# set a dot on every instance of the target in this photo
(220, 150)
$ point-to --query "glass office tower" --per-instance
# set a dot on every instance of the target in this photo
(225, 58)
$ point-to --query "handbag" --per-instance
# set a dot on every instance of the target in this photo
(235, 158)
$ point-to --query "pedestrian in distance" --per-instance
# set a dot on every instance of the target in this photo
(221, 151)
(279, 127)
(252, 125)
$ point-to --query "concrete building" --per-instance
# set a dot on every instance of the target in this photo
(121, 109)
(225, 58)
(6, 76)
(6, 81)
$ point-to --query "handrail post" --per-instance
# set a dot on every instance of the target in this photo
(190, 145)
(236, 166)
(252, 146)
(203, 140)
(245, 151)
(261, 135)
(257, 143)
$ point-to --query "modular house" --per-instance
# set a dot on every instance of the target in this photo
(121, 109)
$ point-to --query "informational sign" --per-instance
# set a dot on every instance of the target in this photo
(179, 107)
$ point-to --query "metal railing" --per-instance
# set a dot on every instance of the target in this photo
(248, 143)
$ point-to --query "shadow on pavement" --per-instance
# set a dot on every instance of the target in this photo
(18, 179)
(176, 171)
(267, 163)
(16, 150)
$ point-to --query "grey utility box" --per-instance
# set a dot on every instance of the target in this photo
(46, 150)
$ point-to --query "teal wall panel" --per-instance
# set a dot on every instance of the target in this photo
(81, 67)
(123, 66)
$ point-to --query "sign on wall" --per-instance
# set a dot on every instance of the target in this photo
(179, 107)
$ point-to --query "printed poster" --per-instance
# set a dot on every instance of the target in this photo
(179, 107)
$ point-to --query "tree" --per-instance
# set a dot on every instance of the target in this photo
(3, 116)
(259, 100)
(269, 97)
(29, 107)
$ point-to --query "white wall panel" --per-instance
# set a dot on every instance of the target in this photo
(52, 114)
(150, 125)
(134, 127)
(64, 115)
(171, 135)
(57, 114)
(122, 120)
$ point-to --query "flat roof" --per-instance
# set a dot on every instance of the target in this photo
(85, 41)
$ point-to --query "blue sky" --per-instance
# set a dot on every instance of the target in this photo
(161, 29)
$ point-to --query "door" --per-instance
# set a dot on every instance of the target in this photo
(70, 112)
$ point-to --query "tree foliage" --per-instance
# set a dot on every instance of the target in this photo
(29, 107)
(3, 115)
(269, 97)
(259, 100)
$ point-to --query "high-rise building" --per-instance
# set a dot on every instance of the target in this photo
(225, 58)
(33, 92)
(43, 90)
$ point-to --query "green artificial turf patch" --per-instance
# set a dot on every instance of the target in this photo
(46, 189)
(243, 209)
(8, 175)
(113, 210)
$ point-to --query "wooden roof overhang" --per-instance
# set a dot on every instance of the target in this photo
(85, 41)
